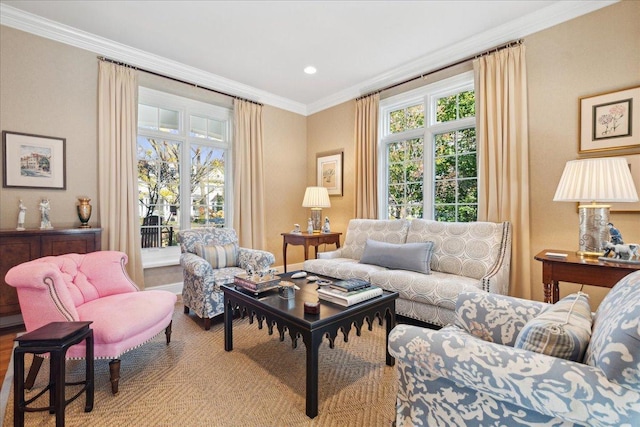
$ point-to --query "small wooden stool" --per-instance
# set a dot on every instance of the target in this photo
(54, 338)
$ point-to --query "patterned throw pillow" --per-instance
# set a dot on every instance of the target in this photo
(562, 331)
(219, 256)
(406, 256)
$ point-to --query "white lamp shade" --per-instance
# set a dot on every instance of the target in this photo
(316, 197)
(606, 179)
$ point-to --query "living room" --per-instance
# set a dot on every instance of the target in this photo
(50, 88)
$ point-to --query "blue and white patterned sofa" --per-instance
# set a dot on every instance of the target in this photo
(201, 290)
(469, 374)
(466, 256)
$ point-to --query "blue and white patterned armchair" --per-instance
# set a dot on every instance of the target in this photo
(469, 374)
(201, 290)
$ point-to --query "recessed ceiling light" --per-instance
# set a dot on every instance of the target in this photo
(310, 69)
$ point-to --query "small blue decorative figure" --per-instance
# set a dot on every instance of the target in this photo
(616, 236)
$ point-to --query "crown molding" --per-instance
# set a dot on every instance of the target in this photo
(519, 28)
(18, 19)
(534, 22)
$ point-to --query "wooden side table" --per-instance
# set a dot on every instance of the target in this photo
(54, 338)
(306, 240)
(577, 269)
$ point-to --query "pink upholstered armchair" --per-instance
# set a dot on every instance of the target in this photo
(94, 287)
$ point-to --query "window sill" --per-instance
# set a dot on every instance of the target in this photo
(152, 258)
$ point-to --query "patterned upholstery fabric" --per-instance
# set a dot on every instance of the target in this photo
(470, 249)
(466, 256)
(563, 330)
(615, 339)
(469, 374)
(201, 290)
(219, 256)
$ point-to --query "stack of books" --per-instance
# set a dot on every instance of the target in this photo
(348, 292)
(254, 283)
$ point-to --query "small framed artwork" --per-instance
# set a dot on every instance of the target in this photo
(634, 166)
(33, 161)
(329, 171)
(610, 121)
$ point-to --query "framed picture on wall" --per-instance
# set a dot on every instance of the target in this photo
(329, 171)
(610, 121)
(33, 161)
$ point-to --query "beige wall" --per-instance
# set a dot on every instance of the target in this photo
(595, 53)
(591, 54)
(49, 88)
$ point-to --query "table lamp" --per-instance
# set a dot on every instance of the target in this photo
(596, 180)
(316, 198)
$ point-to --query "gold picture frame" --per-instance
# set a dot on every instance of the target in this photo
(610, 121)
(329, 171)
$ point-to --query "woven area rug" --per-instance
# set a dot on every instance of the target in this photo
(194, 382)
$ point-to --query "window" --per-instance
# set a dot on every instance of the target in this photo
(428, 152)
(183, 152)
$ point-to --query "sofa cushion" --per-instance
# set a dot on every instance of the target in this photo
(382, 230)
(563, 330)
(403, 256)
(469, 249)
(219, 256)
(615, 342)
(341, 268)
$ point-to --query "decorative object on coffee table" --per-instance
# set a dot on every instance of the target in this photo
(84, 211)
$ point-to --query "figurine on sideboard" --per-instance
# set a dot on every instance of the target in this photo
(326, 228)
(21, 216)
(310, 226)
(296, 229)
(45, 222)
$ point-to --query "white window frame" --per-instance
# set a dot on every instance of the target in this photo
(160, 257)
(428, 96)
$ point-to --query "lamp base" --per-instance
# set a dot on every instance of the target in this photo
(316, 220)
(593, 229)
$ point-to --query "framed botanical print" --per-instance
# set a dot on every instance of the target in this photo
(610, 121)
(329, 171)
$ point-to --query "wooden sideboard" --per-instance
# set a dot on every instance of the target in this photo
(17, 247)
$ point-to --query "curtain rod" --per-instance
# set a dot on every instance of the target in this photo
(462, 61)
(113, 61)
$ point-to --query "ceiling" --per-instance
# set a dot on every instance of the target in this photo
(258, 49)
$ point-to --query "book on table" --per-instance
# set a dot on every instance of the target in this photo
(347, 299)
(350, 285)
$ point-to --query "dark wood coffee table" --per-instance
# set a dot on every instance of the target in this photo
(269, 307)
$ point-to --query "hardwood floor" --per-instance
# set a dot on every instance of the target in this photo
(6, 347)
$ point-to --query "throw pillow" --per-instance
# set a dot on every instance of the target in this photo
(406, 256)
(219, 256)
(562, 331)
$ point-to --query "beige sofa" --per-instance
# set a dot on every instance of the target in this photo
(465, 257)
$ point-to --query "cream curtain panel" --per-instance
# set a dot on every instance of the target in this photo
(117, 183)
(503, 153)
(248, 175)
(366, 134)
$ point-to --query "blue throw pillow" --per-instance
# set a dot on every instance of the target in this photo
(406, 256)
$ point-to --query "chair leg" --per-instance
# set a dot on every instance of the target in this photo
(186, 310)
(114, 371)
(207, 323)
(33, 371)
(167, 332)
